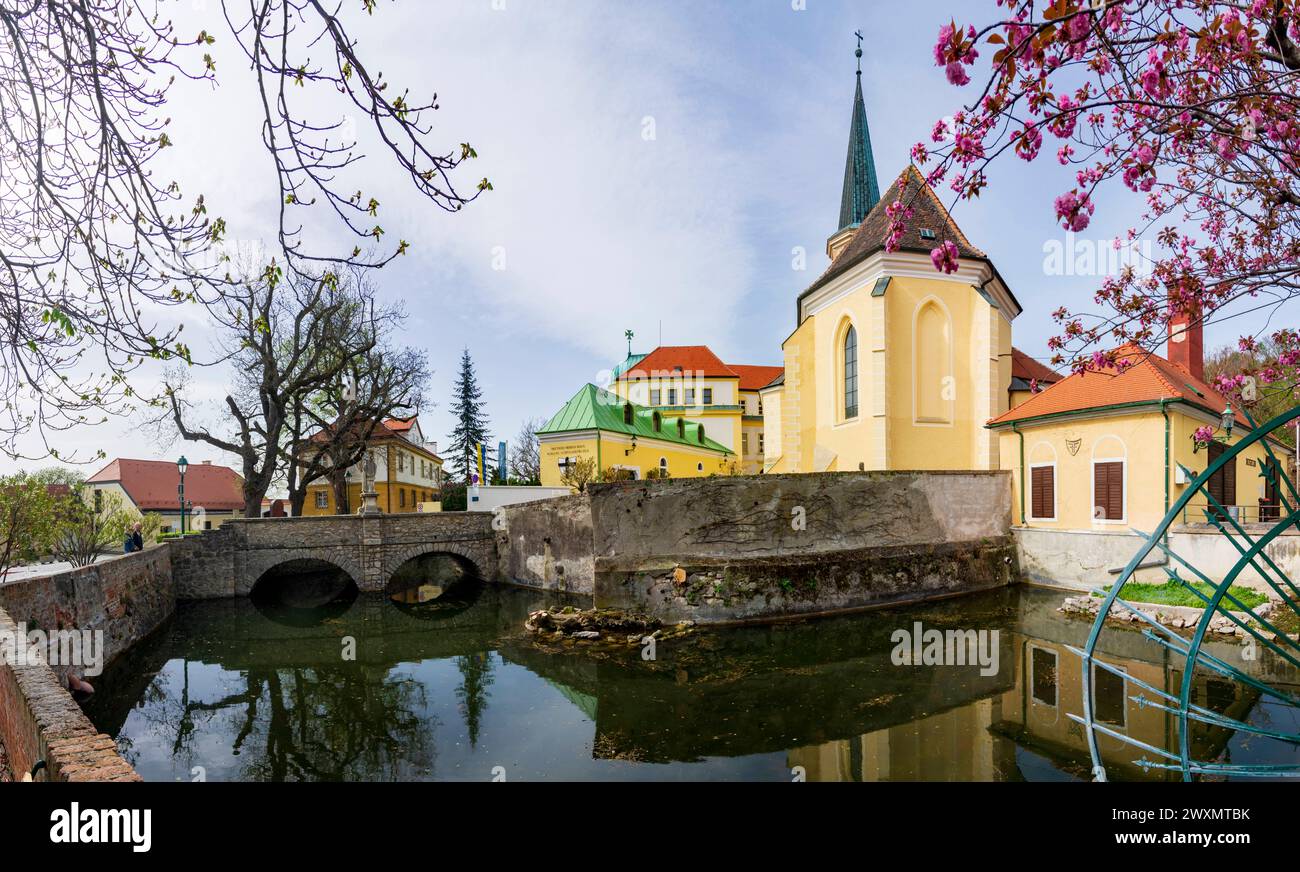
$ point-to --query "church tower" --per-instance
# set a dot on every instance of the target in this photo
(861, 189)
(892, 363)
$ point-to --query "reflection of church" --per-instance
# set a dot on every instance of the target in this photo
(892, 364)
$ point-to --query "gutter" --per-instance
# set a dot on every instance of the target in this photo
(1015, 426)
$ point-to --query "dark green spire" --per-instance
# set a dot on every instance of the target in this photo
(861, 190)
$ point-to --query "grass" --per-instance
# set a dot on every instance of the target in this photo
(1171, 593)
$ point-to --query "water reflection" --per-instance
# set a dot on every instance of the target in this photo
(246, 697)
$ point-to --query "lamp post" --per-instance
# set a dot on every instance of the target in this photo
(181, 466)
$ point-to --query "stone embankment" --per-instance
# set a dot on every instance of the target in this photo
(1175, 617)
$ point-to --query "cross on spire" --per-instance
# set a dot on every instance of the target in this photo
(858, 53)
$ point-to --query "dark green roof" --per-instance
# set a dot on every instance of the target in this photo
(861, 190)
(593, 408)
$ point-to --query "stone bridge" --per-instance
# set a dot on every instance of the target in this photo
(230, 561)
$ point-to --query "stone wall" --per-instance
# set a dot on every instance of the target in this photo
(764, 547)
(1084, 559)
(126, 598)
(548, 545)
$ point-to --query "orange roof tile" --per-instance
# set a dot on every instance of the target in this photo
(753, 378)
(1025, 367)
(695, 360)
(151, 484)
(1148, 379)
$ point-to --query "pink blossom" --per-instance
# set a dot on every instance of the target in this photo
(957, 74)
(1074, 210)
(944, 257)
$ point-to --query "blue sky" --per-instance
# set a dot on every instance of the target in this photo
(603, 229)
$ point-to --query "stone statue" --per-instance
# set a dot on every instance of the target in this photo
(368, 473)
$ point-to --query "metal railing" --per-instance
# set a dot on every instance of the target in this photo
(1260, 513)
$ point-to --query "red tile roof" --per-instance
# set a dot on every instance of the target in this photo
(1149, 378)
(695, 360)
(1025, 367)
(151, 484)
(392, 428)
(753, 378)
(398, 425)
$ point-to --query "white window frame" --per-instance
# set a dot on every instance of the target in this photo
(322, 499)
(1092, 484)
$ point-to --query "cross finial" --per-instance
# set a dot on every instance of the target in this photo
(629, 335)
(858, 53)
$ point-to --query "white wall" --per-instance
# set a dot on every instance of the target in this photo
(508, 495)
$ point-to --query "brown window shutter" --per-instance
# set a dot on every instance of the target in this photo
(1230, 483)
(1108, 489)
(1043, 491)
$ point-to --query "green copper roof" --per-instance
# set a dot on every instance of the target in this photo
(861, 190)
(592, 408)
(632, 360)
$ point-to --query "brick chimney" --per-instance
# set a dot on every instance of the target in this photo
(1186, 343)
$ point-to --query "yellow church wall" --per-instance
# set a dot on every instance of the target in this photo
(946, 374)
(617, 451)
(1136, 438)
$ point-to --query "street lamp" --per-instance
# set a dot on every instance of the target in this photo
(1227, 419)
(181, 466)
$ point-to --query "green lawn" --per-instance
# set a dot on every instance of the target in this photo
(1171, 593)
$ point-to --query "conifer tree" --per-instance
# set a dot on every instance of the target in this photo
(471, 423)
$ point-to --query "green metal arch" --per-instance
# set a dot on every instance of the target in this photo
(1193, 649)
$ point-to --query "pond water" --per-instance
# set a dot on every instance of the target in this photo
(444, 684)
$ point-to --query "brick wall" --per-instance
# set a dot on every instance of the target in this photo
(126, 598)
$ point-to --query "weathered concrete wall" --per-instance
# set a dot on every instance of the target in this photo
(785, 515)
(756, 547)
(229, 561)
(548, 544)
(1082, 559)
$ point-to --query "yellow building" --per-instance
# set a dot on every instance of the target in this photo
(408, 473)
(892, 364)
(692, 382)
(615, 433)
(1101, 451)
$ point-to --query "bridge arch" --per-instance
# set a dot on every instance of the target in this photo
(259, 564)
(462, 552)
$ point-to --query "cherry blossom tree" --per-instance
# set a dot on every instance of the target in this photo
(1193, 106)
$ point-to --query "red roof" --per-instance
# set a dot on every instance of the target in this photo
(1025, 367)
(398, 425)
(151, 484)
(695, 360)
(753, 378)
(1149, 378)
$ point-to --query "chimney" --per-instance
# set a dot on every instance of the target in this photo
(1186, 343)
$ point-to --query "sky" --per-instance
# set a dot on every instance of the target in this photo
(656, 167)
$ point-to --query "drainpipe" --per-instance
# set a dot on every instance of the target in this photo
(1015, 426)
(599, 468)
